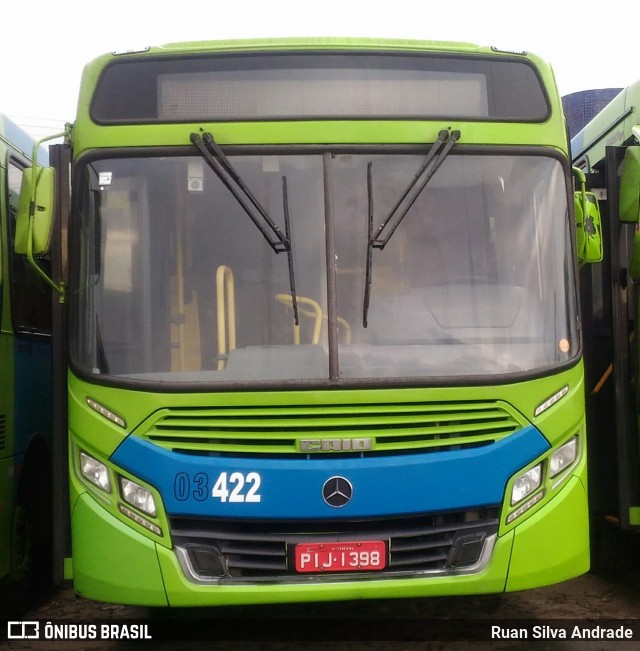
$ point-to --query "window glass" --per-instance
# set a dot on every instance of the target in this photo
(476, 278)
(175, 283)
(30, 294)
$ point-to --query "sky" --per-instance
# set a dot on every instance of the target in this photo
(46, 43)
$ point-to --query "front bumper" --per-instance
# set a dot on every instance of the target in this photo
(114, 563)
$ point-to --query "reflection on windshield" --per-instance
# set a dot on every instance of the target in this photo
(379, 239)
(176, 284)
(224, 170)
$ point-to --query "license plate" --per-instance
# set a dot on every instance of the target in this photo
(369, 555)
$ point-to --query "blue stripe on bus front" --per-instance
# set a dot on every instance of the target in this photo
(281, 488)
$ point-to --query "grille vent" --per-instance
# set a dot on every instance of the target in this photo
(397, 428)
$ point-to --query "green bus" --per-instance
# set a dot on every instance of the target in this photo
(607, 149)
(25, 390)
(321, 323)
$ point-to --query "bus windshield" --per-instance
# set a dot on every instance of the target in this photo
(176, 284)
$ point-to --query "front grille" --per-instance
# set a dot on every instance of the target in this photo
(394, 428)
(253, 551)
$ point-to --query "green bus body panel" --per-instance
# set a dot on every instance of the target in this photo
(559, 535)
(102, 436)
(110, 558)
(393, 132)
(629, 201)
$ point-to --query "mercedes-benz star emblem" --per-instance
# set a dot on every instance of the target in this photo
(337, 491)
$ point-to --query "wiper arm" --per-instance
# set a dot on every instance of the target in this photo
(438, 152)
(224, 170)
(378, 240)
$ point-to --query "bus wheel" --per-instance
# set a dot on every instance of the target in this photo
(29, 578)
(20, 579)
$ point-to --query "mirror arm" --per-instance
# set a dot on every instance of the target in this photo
(60, 288)
(582, 180)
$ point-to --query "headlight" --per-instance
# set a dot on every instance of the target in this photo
(95, 472)
(563, 457)
(527, 483)
(137, 496)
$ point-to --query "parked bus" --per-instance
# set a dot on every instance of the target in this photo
(608, 150)
(322, 323)
(25, 391)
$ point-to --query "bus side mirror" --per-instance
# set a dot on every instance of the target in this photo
(36, 202)
(634, 264)
(629, 197)
(588, 228)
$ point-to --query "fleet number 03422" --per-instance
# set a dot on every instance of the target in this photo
(236, 487)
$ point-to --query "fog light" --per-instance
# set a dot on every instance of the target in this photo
(95, 472)
(206, 561)
(563, 457)
(137, 496)
(527, 483)
(467, 549)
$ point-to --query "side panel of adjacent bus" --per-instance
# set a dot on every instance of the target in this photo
(25, 398)
(609, 295)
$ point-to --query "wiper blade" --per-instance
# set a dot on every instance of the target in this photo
(368, 267)
(287, 229)
(378, 240)
(224, 170)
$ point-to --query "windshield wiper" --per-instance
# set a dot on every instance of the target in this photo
(287, 230)
(224, 170)
(367, 281)
(378, 240)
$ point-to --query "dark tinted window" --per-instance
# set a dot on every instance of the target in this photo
(319, 86)
(30, 294)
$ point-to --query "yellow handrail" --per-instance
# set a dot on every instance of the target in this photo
(314, 313)
(226, 312)
(347, 329)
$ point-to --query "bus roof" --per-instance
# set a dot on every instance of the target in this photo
(332, 43)
(316, 43)
(610, 127)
